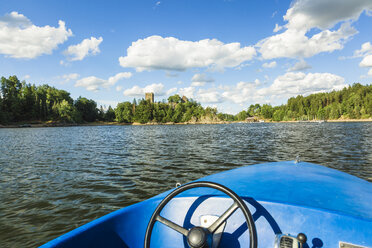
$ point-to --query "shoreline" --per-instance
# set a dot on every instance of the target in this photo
(325, 121)
(102, 123)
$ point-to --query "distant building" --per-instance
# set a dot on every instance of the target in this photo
(251, 119)
(184, 99)
(149, 97)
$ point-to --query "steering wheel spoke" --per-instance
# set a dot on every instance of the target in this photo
(172, 225)
(212, 228)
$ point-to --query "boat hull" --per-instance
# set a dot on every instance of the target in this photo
(285, 198)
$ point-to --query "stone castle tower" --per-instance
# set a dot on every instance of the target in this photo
(150, 97)
(184, 99)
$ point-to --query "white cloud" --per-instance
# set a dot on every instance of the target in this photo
(19, 38)
(112, 80)
(199, 79)
(269, 65)
(243, 92)
(305, 15)
(197, 84)
(134, 91)
(138, 91)
(299, 83)
(300, 66)
(27, 76)
(171, 91)
(69, 77)
(241, 66)
(15, 20)
(366, 62)
(364, 50)
(277, 28)
(119, 88)
(156, 52)
(187, 91)
(294, 43)
(285, 86)
(93, 83)
(85, 48)
(209, 96)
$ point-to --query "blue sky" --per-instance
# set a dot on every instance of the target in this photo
(224, 54)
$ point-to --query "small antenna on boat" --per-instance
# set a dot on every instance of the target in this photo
(297, 159)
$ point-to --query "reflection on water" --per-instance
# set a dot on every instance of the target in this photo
(55, 179)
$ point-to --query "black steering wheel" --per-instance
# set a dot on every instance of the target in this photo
(199, 237)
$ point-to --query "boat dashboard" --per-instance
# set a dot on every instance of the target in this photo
(277, 224)
(314, 207)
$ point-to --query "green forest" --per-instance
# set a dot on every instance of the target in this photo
(23, 102)
(352, 102)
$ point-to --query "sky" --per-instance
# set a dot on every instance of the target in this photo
(226, 54)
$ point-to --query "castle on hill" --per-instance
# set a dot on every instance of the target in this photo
(149, 96)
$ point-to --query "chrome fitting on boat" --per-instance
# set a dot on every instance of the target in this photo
(348, 245)
(297, 160)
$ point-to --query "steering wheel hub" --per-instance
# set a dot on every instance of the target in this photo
(199, 237)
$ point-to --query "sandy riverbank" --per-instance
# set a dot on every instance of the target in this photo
(351, 120)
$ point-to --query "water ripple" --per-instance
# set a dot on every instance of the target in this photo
(56, 179)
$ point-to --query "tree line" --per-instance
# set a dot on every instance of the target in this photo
(22, 102)
(352, 102)
(174, 110)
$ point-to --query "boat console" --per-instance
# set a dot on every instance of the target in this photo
(280, 205)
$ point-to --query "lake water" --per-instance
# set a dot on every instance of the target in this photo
(53, 180)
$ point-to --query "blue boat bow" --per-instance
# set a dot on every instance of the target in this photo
(292, 205)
